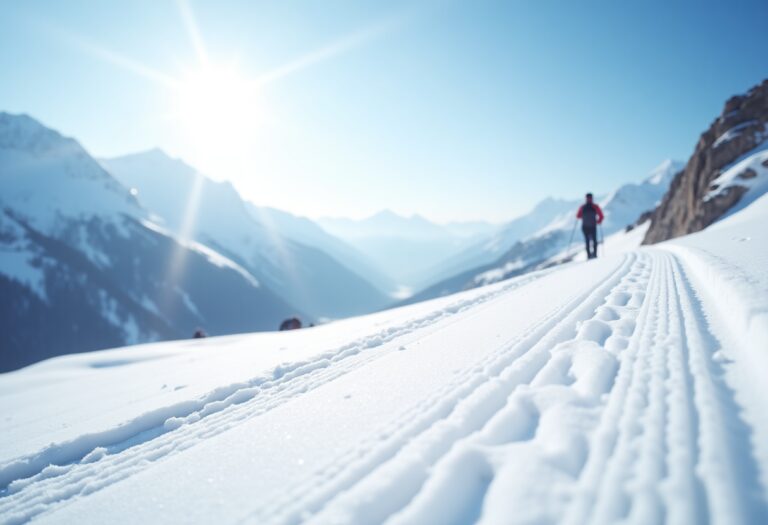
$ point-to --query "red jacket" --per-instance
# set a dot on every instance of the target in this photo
(598, 212)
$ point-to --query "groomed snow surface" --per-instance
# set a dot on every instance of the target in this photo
(626, 389)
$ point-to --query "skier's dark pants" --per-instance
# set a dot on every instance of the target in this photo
(590, 237)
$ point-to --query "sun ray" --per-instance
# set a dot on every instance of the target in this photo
(193, 30)
(329, 51)
(116, 59)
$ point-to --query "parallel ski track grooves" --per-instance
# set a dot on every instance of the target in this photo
(657, 443)
(29, 495)
(526, 354)
(601, 493)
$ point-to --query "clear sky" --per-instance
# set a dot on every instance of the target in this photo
(454, 110)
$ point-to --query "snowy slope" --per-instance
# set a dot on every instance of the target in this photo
(486, 251)
(539, 238)
(550, 222)
(306, 231)
(625, 389)
(624, 205)
(213, 214)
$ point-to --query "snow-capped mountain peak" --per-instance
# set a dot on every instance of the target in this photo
(47, 177)
(25, 133)
(663, 174)
(214, 214)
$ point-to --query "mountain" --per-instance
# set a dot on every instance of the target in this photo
(487, 251)
(407, 248)
(82, 267)
(306, 231)
(533, 240)
(386, 224)
(471, 228)
(726, 162)
(212, 213)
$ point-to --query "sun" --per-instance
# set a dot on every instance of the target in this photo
(218, 111)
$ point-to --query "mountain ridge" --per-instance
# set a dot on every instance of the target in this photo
(213, 213)
(83, 267)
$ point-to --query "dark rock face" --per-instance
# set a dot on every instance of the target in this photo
(740, 128)
(748, 173)
(645, 216)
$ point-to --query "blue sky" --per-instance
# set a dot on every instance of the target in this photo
(454, 110)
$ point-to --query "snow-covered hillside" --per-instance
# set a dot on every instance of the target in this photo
(306, 231)
(487, 251)
(624, 389)
(83, 268)
(213, 213)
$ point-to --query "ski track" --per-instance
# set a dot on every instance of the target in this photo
(609, 409)
(456, 410)
(60, 472)
(632, 426)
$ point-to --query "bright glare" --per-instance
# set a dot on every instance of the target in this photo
(218, 110)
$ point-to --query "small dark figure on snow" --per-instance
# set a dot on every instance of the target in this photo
(290, 324)
(591, 215)
(199, 334)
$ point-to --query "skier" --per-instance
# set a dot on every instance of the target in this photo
(591, 215)
(199, 334)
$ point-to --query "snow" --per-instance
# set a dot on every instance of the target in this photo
(212, 256)
(615, 244)
(188, 302)
(736, 174)
(732, 133)
(20, 266)
(51, 177)
(623, 389)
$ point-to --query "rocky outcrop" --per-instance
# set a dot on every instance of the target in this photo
(741, 127)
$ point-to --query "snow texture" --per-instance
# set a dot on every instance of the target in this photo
(624, 389)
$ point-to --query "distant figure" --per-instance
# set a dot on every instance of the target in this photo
(591, 215)
(199, 334)
(290, 324)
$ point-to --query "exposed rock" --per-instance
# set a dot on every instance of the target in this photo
(740, 128)
(646, 215)
(747, 174)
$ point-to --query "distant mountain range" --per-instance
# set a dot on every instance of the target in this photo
(82, 266)
(531, 240)
(264, 242)
(408, 247)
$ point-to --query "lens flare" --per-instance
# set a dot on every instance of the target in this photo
(218, 111)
